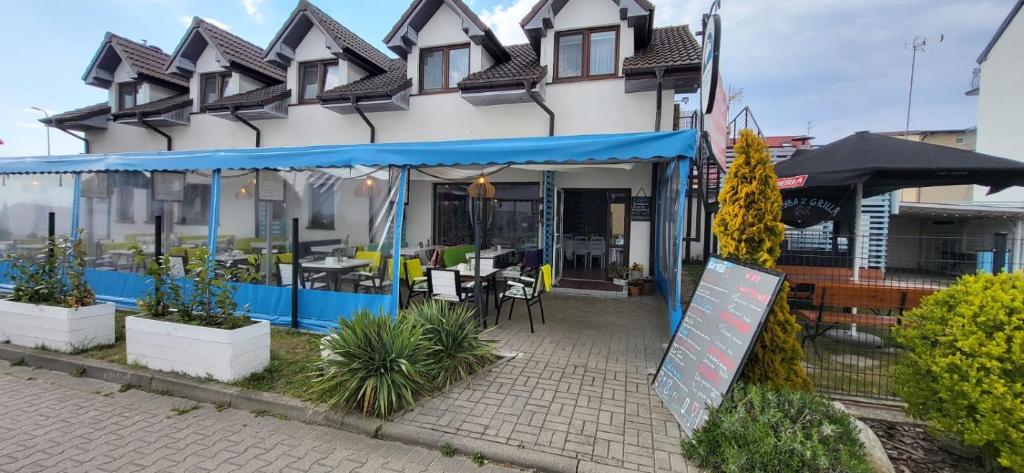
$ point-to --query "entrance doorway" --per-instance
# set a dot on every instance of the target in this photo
(594, 232)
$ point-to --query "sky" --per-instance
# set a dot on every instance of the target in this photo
(827, 67)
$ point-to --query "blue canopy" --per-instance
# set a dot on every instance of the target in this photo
(579, 149)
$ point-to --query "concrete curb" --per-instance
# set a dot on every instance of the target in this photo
(218, 393)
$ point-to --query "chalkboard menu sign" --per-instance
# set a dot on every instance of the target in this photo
(640, 209)
(713, 340)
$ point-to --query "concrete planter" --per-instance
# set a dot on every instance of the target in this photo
(56, 328)
(225, 355)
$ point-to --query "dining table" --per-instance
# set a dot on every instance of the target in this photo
(335, 270)
(490, 275)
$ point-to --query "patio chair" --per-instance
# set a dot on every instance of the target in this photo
(368, 273)
(596, 249)
(528, 290)
(581, 247)
(178, 266)
(284, 278)
(444, 284)
(415, 280)
(379, 281)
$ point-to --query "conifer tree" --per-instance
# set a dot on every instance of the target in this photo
(749, 229)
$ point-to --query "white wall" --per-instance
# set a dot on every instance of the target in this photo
(122, 74)
(1000, 103)
(586, 14)
(206, 63)
(313, 47)
(444, 28)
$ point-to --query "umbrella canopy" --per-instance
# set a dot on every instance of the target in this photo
(883, 164)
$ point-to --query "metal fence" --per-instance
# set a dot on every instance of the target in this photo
(847, 311)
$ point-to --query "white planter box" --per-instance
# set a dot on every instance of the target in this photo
(56, 328)
(225, 355)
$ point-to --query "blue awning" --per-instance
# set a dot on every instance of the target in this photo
(582, 149)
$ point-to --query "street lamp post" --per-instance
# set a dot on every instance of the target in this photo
(47, 114)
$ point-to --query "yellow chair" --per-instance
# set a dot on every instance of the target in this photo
(376, 277)
(415, 279)
(285, 258)
(178, 251)
(372, 256)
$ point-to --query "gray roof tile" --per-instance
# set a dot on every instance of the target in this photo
(237, 50)
(145, 60)
(156, 107)
(78, 114)
(386, 84)
(253, 98)
(523, 66)
(670, 47)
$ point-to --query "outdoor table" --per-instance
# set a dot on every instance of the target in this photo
(126, 254)
(490, 275)
(335, 270)
(413, 252)
(327, 249)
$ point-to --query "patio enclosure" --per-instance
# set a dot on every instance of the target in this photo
(341, 214)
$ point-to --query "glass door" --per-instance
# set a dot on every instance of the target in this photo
(618, 227)
(559, 253)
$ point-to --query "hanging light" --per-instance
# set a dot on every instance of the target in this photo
(366, 189)
(481, 188)
(243, 193)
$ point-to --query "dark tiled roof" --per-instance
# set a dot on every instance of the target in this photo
(490, 42)
(145, 60)
(253, 98)
(523, 66)
(344, 37)
(645, 4)
(156, 107)
(78, 114)
(381, 85)
(671, 47)
(236, 50)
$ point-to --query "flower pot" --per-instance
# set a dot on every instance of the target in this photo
(634, 275)
(619, 282)
(634, 290)
(225, 355)
(647, 288)
(56, 328)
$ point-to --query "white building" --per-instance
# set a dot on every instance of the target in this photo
(1001, 98)
(590, 67)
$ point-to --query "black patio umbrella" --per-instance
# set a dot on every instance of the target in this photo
(883, 164)
(816, 184)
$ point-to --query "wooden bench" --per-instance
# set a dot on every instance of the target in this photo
(877, 306)
(815, 274)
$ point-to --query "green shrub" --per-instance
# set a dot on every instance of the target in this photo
(55, 277)
(964, 370)
(453, 335)
(760, 429)
(375, 364)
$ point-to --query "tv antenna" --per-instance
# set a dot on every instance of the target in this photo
(918, 44)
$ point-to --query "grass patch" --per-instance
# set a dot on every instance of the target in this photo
(78, 372)
(293, 355)
(222, 406)
(182, 410)
(479, 459)
(448, 450)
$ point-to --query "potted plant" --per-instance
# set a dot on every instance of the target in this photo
(636, 271)
(619, 273)
(634, 287)
(52, 306)
(192, 325)
(647, 286)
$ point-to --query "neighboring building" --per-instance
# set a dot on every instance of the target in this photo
(998, 82)
(958, 138)
(590, 67)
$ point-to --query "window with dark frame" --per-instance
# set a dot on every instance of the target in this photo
(512, 218)
(212, 87)
(317, 76)
(127, 95)
(587, 54)
(442, 68)
(321, 208)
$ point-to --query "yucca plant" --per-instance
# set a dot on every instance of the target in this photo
(453, 334)
(374, 363)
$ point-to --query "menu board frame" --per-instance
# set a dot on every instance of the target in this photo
(756, 332)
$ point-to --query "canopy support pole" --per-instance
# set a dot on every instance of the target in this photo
(76, 205)
(858, 252)
(396, 244)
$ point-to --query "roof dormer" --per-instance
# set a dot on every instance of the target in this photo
(406, 33)
(638, 15)
(228, 51)
(338, 40)
(142, 62)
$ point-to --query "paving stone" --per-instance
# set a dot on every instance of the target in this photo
(50, 423)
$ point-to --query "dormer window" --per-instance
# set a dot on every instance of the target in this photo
(443, 67)
(214, 86)
(317, 76)
(127, 95)
(587, 54)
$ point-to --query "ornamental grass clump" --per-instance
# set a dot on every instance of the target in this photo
(760, 429)
(749, 229)
(375, 363)
(963, 370)
(453, 335)
(55, 277)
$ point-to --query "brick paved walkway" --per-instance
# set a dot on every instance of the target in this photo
(54, 422)
(580, 387)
